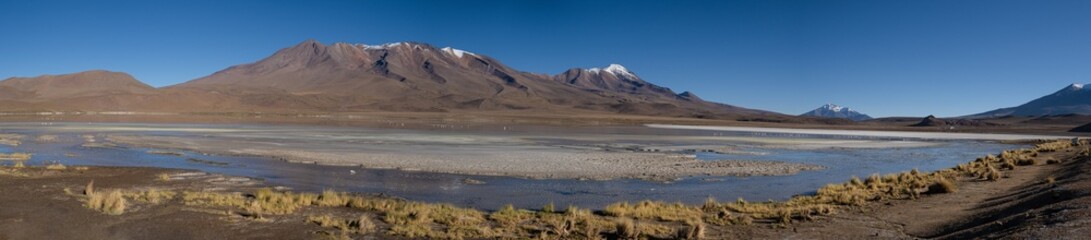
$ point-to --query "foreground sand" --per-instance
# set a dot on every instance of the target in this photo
(1025, 204)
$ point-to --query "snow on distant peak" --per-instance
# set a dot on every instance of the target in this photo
(833, 107)
(458, 53)
(1077, 85)
(615, 69)
(383, 46)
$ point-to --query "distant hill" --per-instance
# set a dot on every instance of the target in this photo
(933, 121)
(1074, 99)
(834, 111)
(83, 84)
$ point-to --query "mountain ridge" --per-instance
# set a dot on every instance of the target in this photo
(402, 76)
(1072, 99)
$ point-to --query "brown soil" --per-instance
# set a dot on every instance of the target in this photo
(1021, 205)
(37, 207)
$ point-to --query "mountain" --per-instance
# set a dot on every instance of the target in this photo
(409, 76)
(1074, 99)
(76, 85)
(834, 111)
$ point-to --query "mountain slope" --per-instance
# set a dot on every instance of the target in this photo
(834, 111)
(1074, 99)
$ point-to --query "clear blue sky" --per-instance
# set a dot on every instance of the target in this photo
(884, 58)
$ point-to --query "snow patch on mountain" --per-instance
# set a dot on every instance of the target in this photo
(835, 111)
(615, 69)
(458, 53)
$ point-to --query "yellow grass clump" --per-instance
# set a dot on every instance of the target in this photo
(56, 166)
(360, 225)
(671, 212)
(942, 185)
(112, 203)
(154, 196)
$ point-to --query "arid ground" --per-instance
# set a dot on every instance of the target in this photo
(1039, 192)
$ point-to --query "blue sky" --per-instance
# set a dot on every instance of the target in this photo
(884, 58)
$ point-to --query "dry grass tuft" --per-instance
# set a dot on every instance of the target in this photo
(671, 212)
(154, 196)
(55, 166)
(112, 203)
(90, 188)
(330, 198)
(360, 225)
(691, 231)
(626, 229)
(993, 174)
(942, 185)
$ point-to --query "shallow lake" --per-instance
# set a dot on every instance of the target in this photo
(841, 163)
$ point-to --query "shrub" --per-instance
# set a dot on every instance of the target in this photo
(691, 231)
(626, 229)
(330, 198)
(56, 166)
(90, 189)
(992, 174)
(112, 203)
(942, 185)
(154, 196)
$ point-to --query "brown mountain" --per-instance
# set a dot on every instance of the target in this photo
(83, 84)
(420, 77)
(415, 77)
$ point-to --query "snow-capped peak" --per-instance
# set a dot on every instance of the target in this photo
(615, 69)
(834, 107)
(834, 111)
(1077, 85)
(458, 53)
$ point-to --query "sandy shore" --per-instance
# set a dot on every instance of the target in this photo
(866, 133)
(541, 162)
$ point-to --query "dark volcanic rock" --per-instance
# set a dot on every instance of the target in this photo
(933, 121)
